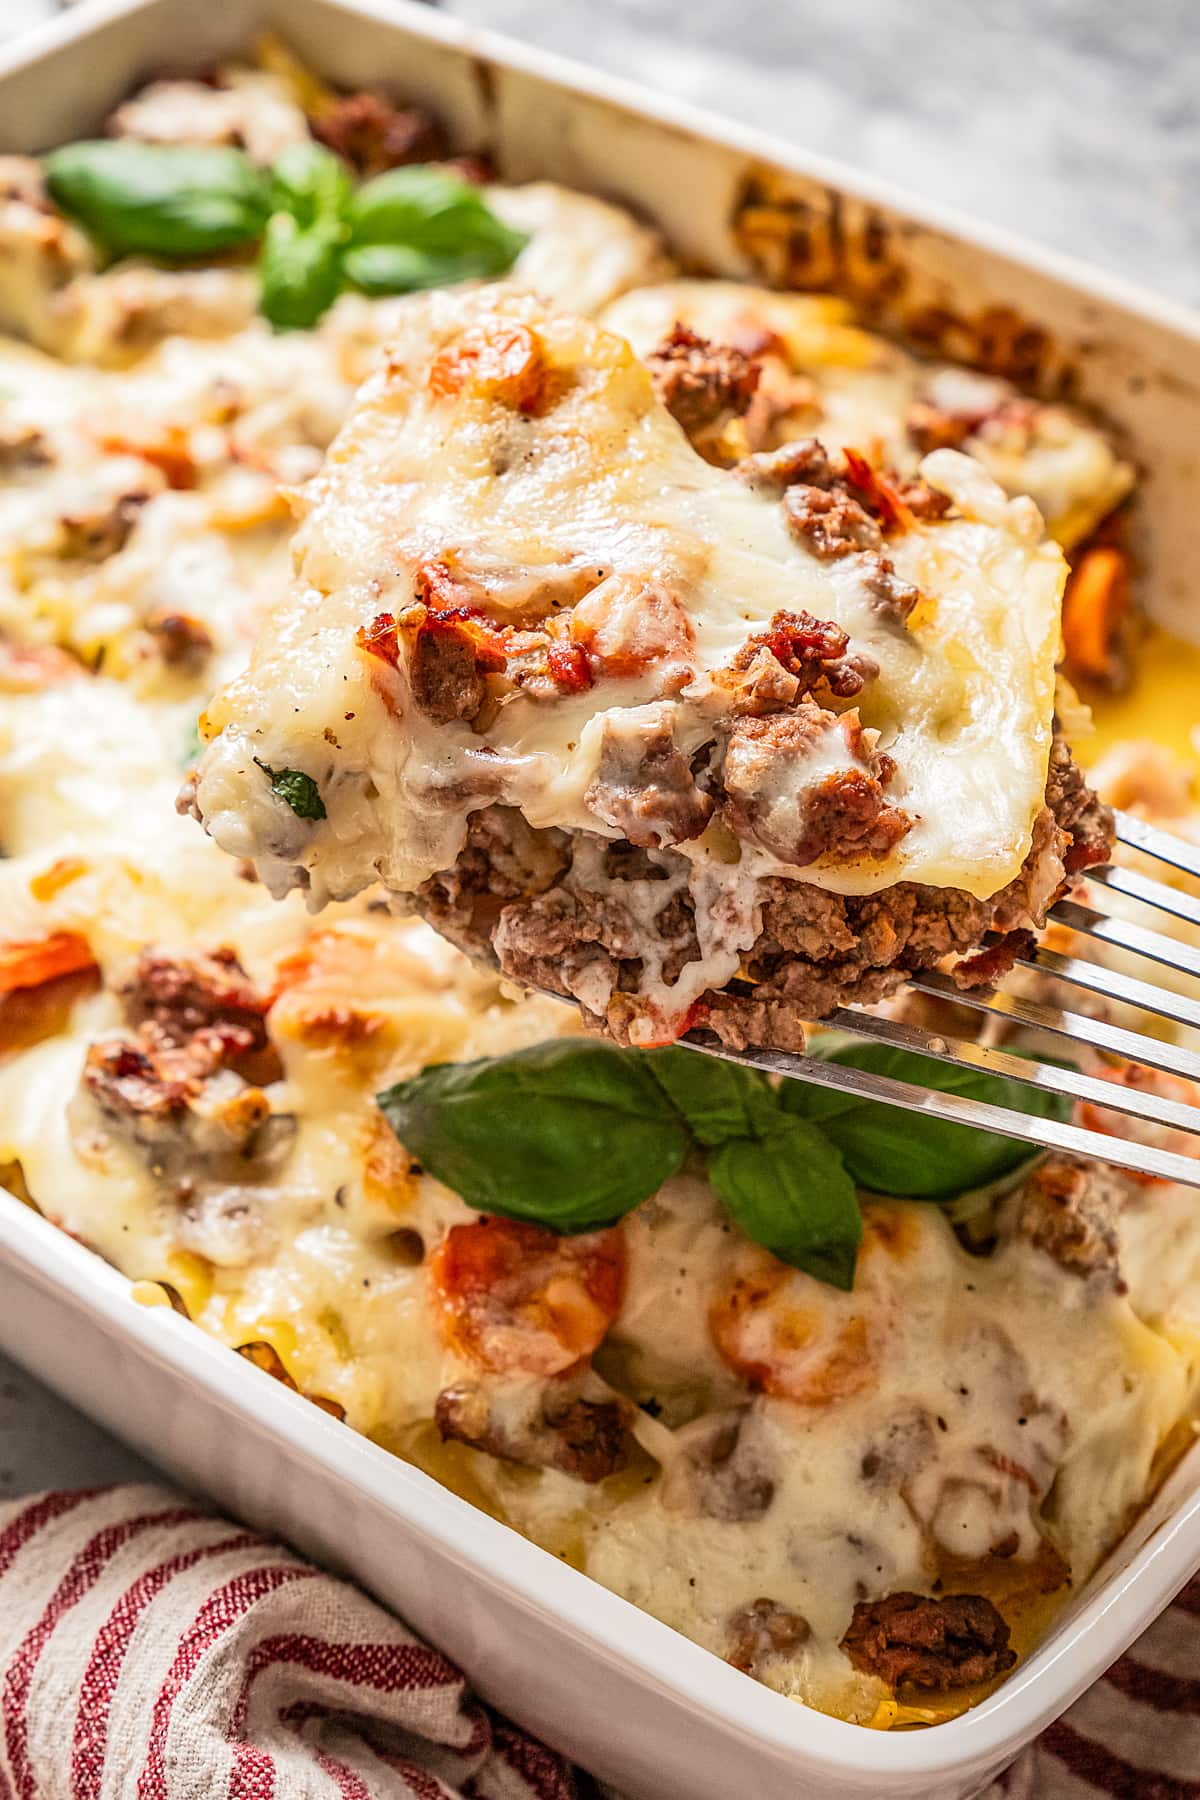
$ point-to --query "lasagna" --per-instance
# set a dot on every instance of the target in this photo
(516, 594)
(635, 725)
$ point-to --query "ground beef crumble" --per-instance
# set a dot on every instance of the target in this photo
(157, 1096)
(986, 966)
(448, 674)
(829, 521)
(374, 135)
(845, 815)
(932, 428)
(95, 534)
(1080, 812)
(702, 385)
(449, 652)
(911, 1640)
(922, 501)
(1070, 1209)
(524, 907)
(838, 507)
(185, 1083)
(582, 944)
(503, 859)
(178, 993)
(644, 786)
(182, 641)
(588, 1439)
(796, 655)
(762, 1631)
(773, 471)
(890, 595)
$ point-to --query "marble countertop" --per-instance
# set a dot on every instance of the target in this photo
(1072, 120)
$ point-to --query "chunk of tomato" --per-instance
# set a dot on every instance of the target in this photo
(516, 1297)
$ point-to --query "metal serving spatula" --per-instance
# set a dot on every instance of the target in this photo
(1157, 1003)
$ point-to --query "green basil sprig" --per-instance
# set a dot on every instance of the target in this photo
(788, 1189)
(423, 227)
(295, 789)
(910, 1154)
(719, 1100)
(573, 1134)
(569, 1134)
(166, 200)
(311, 184)
(410, 228)
(300, 264)
(299, 271)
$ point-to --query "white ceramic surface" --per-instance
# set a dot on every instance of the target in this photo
(632, 1700)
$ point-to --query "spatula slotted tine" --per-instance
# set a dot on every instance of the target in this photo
(1162, 845)
(1162, 1008)
(1159, 894)
(959, 1109)
(1046, 1077)
(1035, 1013)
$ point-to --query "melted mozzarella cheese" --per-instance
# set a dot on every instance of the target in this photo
(606, 479)
(973, 1366)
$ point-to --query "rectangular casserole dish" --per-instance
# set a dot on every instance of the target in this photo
(539, 1639)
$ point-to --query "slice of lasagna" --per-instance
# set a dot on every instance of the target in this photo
(680, 742)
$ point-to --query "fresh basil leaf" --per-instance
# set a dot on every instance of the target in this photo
(429, 208)
(297, 790)
(399, 269)
(891, 1151)
(311, 183)
(299, 271)
(719, 1100)
(164, 200)
(788, 1190)
(569, 1134)
(432, 211)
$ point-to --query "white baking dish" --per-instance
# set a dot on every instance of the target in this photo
(631, 1699)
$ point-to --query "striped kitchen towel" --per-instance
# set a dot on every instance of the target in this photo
(1135, 1734)
(150, 1650)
